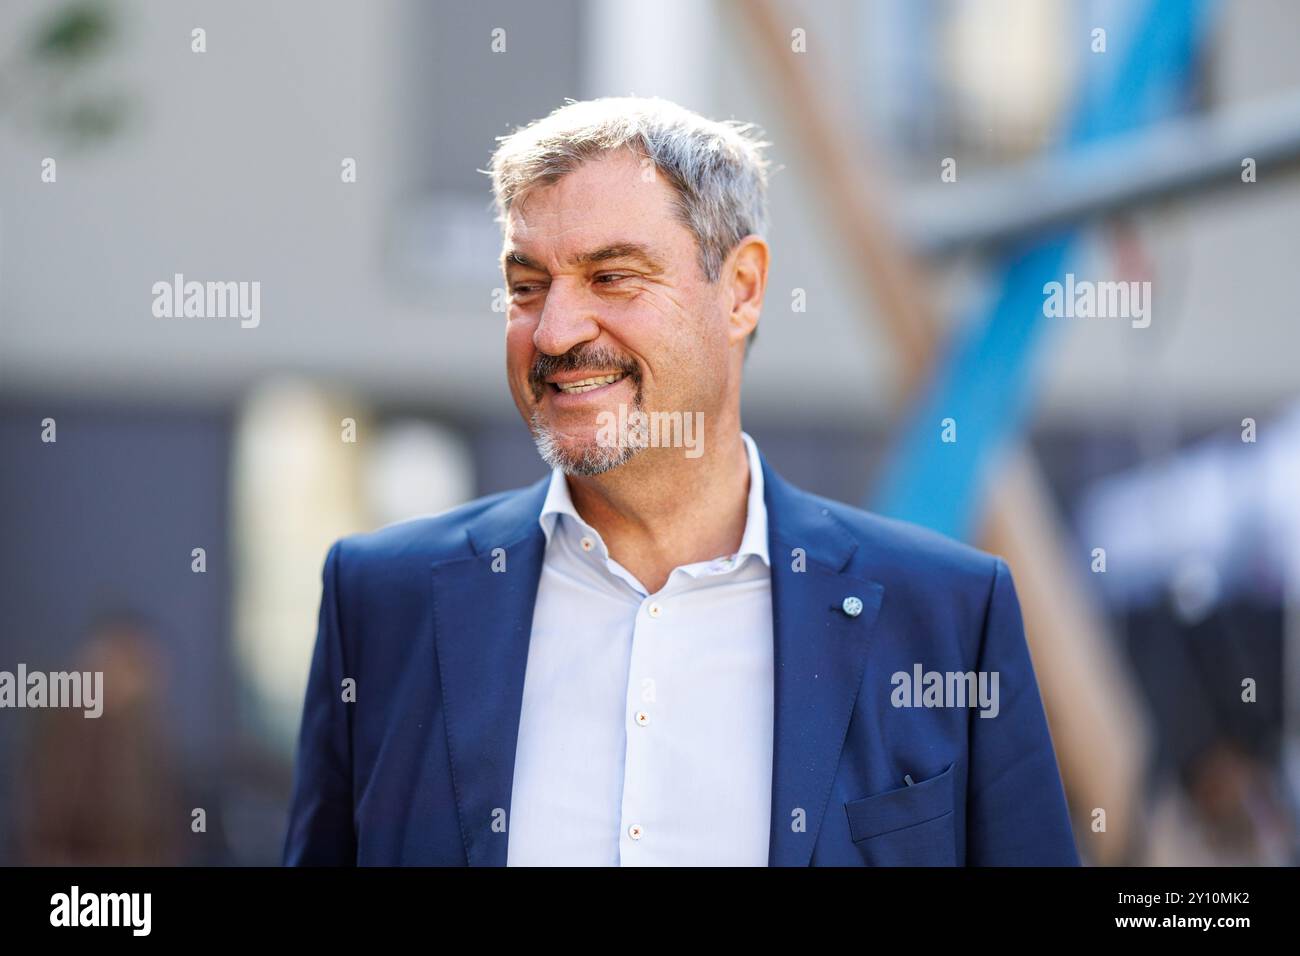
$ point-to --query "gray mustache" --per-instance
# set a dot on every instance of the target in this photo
(577, 360)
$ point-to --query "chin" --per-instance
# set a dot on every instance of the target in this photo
(582, 457)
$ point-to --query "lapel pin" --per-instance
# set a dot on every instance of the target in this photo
(852, 606)
(907, 779)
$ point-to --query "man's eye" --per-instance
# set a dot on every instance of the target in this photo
(523, 288)
(606, 278)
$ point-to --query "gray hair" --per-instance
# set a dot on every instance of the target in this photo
(716, 167)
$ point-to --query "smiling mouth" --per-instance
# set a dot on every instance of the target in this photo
(587, 384)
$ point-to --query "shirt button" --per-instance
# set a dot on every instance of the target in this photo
(588, 544)
(642, 718)
(654, 610)
(634, 831)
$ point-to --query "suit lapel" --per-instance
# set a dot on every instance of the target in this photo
(820, 655)
(483, 614)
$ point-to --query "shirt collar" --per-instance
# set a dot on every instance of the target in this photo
(753, 541)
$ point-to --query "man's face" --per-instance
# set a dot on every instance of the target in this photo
(609, 306)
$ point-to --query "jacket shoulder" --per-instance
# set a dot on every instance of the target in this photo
(890, 548)
(422, 540)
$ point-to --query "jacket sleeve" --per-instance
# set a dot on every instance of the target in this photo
(320, 809)
(1016, 809)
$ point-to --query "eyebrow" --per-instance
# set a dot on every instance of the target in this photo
(618, 250)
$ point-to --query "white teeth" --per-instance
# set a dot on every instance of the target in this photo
(587, 384)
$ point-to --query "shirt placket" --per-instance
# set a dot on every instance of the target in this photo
(641, 708)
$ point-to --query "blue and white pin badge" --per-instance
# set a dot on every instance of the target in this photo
(852, 606)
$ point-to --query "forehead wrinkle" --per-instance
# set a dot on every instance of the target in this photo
(517, 225)
(566, 199)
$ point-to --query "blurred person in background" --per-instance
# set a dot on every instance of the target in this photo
(104, 791)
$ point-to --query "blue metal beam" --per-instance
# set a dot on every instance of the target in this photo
(984, 378)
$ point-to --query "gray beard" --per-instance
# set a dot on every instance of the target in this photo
(586, 462)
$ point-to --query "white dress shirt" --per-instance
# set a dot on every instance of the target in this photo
(645, 734)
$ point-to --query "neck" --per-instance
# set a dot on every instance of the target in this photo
(662, 510)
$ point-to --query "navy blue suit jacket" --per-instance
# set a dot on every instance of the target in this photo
(418, 768)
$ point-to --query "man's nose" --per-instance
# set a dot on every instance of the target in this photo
(568, 319)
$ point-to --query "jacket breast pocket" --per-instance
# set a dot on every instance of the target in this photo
(909, 826)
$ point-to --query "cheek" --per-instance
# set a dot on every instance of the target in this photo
(688, 360)
(702, 336)
(519, 358)
(519, 341)
(678, 324)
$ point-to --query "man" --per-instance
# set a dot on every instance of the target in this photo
(663, 653)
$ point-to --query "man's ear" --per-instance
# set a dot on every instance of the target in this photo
(746, 275)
